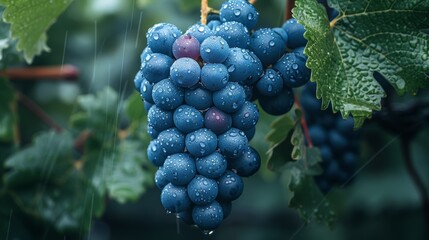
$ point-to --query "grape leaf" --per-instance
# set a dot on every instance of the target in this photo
(8, 119)
(367, 37)
(306, 196)
(118, 173)
(30, 20)
(98, 113)
(47, 159)
(45, 184)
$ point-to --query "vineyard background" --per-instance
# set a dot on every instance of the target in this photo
(104, 39)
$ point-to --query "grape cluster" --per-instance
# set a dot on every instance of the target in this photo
(198, 88)
(336, 139)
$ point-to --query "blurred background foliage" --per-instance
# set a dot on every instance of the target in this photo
(104, 39)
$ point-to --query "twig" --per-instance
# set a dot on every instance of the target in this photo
(304, 123)
(66, 72)
(79, 142)
(290, 4)
(405, 144)
(38, 111)
(252, 2)
(204, 11)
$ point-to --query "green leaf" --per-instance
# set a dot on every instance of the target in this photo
(134, 108)
(46, 160)
(98, 113)
(68, 206)
(44, 183)
(280, 137)
(307, 198)
(367, 37)
(119, 173)
(8, 118)
(30, 20)
(127, 179)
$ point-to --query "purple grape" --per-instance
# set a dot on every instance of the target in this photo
(217, 121)
(186, 46)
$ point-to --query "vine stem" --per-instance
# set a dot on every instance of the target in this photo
(304, 123)
(67, 72)
(290, 4)
(205, 9)
(38, 111)
(405, 144)
(252, 2)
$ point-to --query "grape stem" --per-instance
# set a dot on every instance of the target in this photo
(65, 72)
(405, 144)
(38, 111)
(304, 123)
(205, 10)
(290, 4)
(252, 2)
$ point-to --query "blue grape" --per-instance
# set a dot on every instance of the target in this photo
(230, 186)
(171, 141)
(256, 72)
(186, 216)
(230, 98)
(145, 53)
(211, 166)
(250, 133)
(208, 217)
(199, 98)
(345, 126)
(188, 119)
(239, 11)
(155, 154)
(146, 89)
(240, 66)
(160, 119)
(185, 72)
(152, 132)
(161, 36)
(317, 134)
(214, 49)
(213, 24)
(233, 143)
(175, 198)
(295, 33)
(226, 208)
(280, 31)
(186, 46)
(293, 70)
(202, 190)
(217, 121)
(138, 79)
(246, 117)
(270, 84)
(234, 33)
(279, 104)
(337, 141)
(179, 169)
(349, 160)
(325, 152)
(214, 76)
(167, 95)
(147, 105)
(200, 32)
(248, 91)
(268, 45)
(201, 142)
(160, 178)
(156, 67)
(248, 164)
